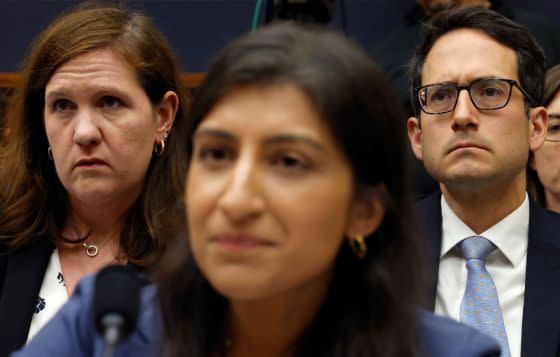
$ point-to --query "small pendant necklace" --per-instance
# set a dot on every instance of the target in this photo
(91, 249)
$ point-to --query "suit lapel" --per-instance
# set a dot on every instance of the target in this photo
(541, 314)
(24, 273)
(429, 211)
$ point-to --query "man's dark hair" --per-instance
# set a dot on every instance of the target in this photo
(530, 57)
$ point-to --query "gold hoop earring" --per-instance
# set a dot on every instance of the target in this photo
(358, 245)
(159, 147)
(49, 153)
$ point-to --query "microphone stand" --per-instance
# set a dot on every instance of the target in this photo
(113, 324)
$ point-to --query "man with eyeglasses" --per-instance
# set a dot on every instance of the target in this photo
(477, 82)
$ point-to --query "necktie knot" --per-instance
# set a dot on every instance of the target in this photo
(476, 247)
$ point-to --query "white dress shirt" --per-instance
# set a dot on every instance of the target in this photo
(507, 266)
(51, 296)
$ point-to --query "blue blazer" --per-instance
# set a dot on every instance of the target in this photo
(72, 332)
(540, 335)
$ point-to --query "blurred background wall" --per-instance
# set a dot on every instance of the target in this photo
(199, 28)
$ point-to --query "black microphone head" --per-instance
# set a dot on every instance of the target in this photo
(117, 292)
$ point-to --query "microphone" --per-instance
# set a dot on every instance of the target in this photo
(116, 303)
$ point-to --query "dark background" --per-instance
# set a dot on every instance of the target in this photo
(199, 28)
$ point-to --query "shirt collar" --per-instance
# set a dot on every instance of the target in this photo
(510, 234)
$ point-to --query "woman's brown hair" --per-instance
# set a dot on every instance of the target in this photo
(33, 202)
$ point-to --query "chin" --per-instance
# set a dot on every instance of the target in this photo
(471, 182)
(241, 289)
(462, 172)
(95, 196)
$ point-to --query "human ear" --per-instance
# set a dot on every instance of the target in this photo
(415, 136)
(538, 124)
(166, 111)
(367, 212)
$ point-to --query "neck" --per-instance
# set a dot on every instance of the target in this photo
(103, 230)
(482, 209)
(102, 220)
(552, 200)
(272, 326)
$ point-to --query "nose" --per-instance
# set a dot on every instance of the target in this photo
(241, 199)
(86, 130)
(465, 113)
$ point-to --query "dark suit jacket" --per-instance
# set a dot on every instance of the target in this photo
(540, 334)
(21, 277)
(72, 332)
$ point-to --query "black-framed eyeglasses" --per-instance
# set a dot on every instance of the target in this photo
(553, 132)
(485, 94)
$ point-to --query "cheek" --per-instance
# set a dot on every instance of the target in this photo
(59, 139)
(547, 161)
(510, 140)
(55, 131)
(316, 218)
(316, 230)
(133, 142)
(433, 132)
(432, 146)
(200, 197)
(137, 134)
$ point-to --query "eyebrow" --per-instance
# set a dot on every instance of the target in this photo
(276, 139)
(554, 115)
(102, 90)
(481, 78)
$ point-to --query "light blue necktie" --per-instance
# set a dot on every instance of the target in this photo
(480, 307)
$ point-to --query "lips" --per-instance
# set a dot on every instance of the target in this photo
(465, 145)
(89, 162)
(240, 241)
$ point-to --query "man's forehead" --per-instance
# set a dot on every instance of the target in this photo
(464, 55)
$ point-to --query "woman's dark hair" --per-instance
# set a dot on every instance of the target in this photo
(551, 89)
(33, 201)
(369, 309)
(530, 57)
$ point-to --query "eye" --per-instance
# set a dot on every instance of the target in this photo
(291, 162)
(554, 127)
(491, 92)
(62, 105)
(213, 156)
(111, 102)
(440, 94)
(490, 88)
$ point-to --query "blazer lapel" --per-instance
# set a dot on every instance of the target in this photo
(429, 212)
(24, 273)
(541, 313)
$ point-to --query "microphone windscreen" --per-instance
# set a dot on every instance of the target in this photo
(117, 291)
